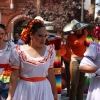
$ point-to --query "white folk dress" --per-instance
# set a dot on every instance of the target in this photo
(92, 57)
(32, 67)
(5, 69)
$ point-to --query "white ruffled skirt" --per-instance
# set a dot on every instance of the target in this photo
(33, 90)
(94, 89)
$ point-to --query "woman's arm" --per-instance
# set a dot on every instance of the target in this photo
(13, 83)
(74, 41)
(88, 69)
(52, 80)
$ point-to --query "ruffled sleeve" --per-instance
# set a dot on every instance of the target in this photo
(15, 59)
(52, 57)
(90, 56)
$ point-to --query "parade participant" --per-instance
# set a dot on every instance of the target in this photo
(5, 69)
(90, 63)
(76, 42)
(33, 62)
(16, 37)
(66, 58)
(56, 40)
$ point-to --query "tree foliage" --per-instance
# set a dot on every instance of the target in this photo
(60, 12)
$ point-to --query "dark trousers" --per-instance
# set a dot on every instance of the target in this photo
(77, 81)
(67, 70)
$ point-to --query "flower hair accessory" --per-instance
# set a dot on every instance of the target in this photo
(97, 32)
(26, 31)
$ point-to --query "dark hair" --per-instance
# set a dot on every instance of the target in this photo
(34, 29)
(2, 26)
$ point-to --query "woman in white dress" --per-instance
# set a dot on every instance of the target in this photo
(5, 69)
(33, 62)
(91, 64)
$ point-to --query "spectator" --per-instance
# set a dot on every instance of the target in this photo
(66, 58)
(16, 38)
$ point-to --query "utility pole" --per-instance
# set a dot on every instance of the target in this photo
(82, 11)
(39, 3)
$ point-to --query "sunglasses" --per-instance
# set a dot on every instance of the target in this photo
(43, 36)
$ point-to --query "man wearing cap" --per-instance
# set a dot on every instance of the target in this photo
(78, 47)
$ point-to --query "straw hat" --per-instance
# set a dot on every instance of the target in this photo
(74, 25)
(45, 22)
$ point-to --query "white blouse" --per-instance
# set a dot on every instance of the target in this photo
(92, 57)
(32, 67)
(5, 54)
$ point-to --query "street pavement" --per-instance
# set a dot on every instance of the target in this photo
(63, 95)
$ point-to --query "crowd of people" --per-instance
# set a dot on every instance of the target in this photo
(26, 63)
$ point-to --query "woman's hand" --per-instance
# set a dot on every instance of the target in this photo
(8, 99)
(55, 97)
(85, 32)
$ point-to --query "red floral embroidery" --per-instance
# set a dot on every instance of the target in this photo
(22, 54)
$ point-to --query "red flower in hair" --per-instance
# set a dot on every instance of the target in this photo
(97, 32)
(26, 31)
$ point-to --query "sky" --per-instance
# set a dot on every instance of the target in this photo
(97, 8)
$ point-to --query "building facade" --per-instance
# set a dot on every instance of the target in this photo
(11, 14)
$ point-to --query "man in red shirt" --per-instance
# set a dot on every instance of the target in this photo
(78, 47)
